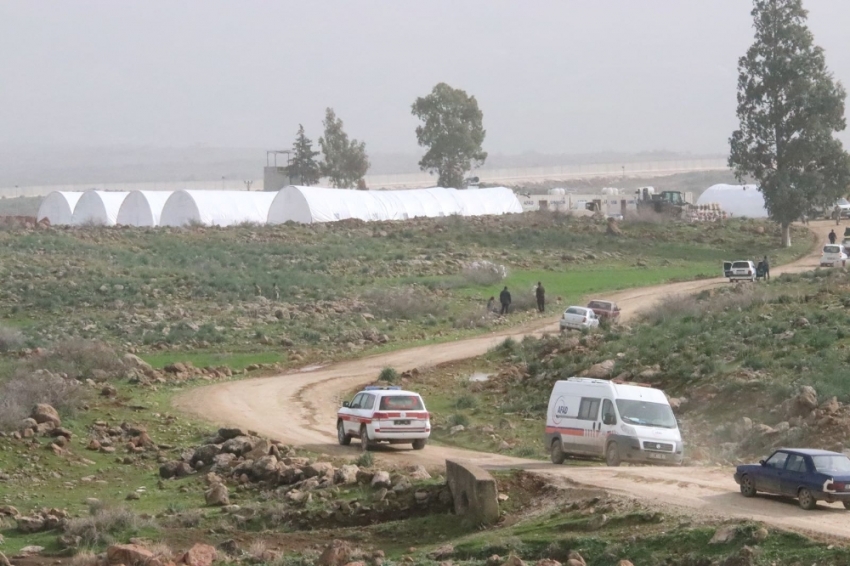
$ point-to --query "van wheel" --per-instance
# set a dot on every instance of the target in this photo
(343, 438)
(365, 443)
(612, 455)
(557, 452)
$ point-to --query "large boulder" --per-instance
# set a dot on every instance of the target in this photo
(264, 468)
(228, 433)
(319, 469)
(199, 555)
(346, 474)
(239, 445)
(381, 479)
(419, 473)
(338, 553)
(44, 413)
(206, 453)
(129, 555)
(804, 403)
(217, 495)
(30, 525)
(175, 469)
(135, 362)
(602, 370)
(223, 463)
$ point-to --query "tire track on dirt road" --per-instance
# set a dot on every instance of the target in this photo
(299, 408)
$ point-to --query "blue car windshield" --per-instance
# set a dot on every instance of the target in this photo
(644, 413)
(832, 464)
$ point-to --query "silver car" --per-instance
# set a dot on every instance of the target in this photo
(578, 318)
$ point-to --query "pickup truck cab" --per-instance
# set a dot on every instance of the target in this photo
(741, 270)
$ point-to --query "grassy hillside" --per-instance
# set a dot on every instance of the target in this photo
(321, 290)
(739, 361)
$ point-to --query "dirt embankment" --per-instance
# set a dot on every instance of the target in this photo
(300, 408)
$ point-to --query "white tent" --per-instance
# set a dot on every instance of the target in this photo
(98, 207)
(315, 204)
(737, 200)
(216, 208)
(58, 207)
(142, 208)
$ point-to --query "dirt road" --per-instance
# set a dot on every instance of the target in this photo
(300, 408)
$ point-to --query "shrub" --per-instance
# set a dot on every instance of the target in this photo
(484, 272)
(403, 304)
(458, 419)
(466, 401)
(10, 339)
(366, 460)
(101, 527)
(85, 558)
(388, 374)
(79, 359)
(24, 390)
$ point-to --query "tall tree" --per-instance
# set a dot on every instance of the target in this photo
(789, 107)
(452, 131)
(345, 162)
(303, 168)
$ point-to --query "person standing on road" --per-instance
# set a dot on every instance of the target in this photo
(832, 236)
(541, 297)
(836, 212)
(766, 269)
(491, 304)
(505, 299)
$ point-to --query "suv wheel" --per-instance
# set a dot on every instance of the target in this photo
(343, 438)
(365, 443)
(419, 444)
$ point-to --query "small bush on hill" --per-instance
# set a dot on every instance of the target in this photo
(484, 273)
(80, 359)
(404, 304)
(10, 339)
(389, 375)
(104, 524)
(21, 392)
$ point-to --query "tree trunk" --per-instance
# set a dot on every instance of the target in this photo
(786, 235)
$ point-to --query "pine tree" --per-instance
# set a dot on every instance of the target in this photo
(789, 107)
(303, 168)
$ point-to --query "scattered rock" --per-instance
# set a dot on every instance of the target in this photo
(30, 551)
(513, 560)
(217, 495)
(419, 473)
(724, 534)
(199, 555)
(319, 469)
(602, 370)
(30, 524)
(4, 561)
(44, 413)
(442, 553)
(346, 474)
(129, 555)
(456, 429)
(338, 553)
(575, 559)
(761, 534)
(804, 402)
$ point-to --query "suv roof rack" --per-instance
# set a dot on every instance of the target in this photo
(384, 387)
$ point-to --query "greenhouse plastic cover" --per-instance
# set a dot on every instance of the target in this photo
(315, 204)
(216, 208)
(58, 207)
(98, 207)
(142, 208)
(737, 200)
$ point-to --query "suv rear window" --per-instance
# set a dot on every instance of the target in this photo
(741, 265)
(831, 249)
(401, 403)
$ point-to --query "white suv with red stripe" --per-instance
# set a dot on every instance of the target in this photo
(384, 414)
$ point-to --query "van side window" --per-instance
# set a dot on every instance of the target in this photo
(589, 409)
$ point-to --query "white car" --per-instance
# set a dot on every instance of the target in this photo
(384, 414)
(579, 318)
(844, 206)
(739, 270)
(834, 255)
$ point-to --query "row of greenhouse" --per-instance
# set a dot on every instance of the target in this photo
(304, 205)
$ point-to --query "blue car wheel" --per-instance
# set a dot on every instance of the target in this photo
(807, 500)
(748, 486)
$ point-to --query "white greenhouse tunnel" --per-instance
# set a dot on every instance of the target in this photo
(216, 208)
(736, 200)
(307, 205)
(99, 208)
(142, 208)
(58, 207)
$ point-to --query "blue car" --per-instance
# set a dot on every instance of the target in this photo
(809, 475)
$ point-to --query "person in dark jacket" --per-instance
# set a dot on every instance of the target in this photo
(541, 297)
(766, 266)
(832, 236)
(505, 299)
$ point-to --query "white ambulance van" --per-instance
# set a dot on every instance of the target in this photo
(596, 418)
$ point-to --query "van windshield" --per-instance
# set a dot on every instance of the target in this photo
(644, 413)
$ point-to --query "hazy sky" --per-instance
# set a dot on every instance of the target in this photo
(569, 76)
